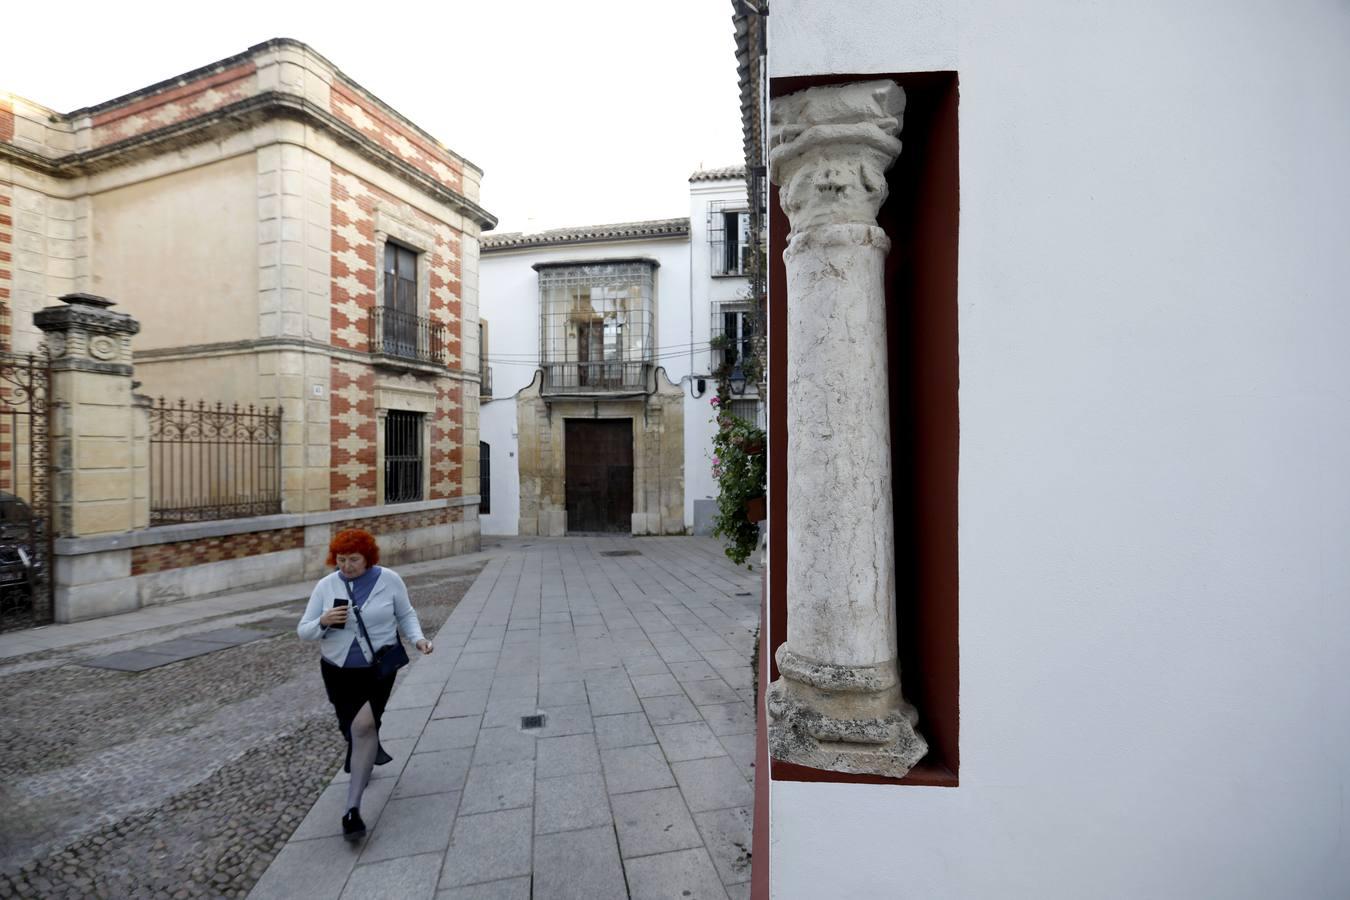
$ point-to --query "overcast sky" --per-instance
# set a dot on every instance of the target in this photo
(578, 111)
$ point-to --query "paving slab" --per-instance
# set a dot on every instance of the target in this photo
(571, 754)
(654, 822)
(682, 875)
(409, 878)
(488, 847)
(578, 865)
(411, 826)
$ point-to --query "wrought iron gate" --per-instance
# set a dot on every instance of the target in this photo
(25, 492)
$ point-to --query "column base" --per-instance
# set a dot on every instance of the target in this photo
(863, 731)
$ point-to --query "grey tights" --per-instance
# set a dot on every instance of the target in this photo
(365, 742)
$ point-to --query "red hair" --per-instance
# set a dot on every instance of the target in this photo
(354, 540)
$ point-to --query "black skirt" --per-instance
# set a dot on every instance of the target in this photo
(348, 691)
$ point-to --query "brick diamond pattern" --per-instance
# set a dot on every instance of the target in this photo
(404, 142)
(354, 268)
(177, 104)
(447, 442)
(352, 427)
(6, 264)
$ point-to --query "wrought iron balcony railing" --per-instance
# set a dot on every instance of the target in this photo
(595, 377)
(405, 336)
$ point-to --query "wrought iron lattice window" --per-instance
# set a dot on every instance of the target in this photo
(213, 462)
(402, 456)
(597, 324)
(732, 333)
(729, 236)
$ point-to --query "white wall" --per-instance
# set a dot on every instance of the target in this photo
(1154, 489)
(707, 290)
(497, 426)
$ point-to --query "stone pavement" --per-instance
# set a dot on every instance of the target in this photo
(638, 783)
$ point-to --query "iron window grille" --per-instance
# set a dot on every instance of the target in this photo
(597, 325)
(729, 237)
(402, 456)
(213, 462)
(733, 334)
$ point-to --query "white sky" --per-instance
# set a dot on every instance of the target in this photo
(579, 111)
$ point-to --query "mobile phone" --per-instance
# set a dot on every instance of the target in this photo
(340, 601)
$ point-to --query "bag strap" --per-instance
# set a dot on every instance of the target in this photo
(359, 621)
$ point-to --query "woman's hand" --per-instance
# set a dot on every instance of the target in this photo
(336, 615)
(425, 646)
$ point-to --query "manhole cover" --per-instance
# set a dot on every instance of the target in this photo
(620, 552)
(532, 722)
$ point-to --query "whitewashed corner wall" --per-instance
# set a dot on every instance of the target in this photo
(1153, 491)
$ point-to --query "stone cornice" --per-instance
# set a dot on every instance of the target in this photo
(255, 345)
(654, 229)
(250, 55)
(237, 117)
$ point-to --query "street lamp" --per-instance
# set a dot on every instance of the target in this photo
(737, 379)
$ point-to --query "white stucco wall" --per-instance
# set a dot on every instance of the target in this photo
(707, 289)
(1154, 496)
(497, 426)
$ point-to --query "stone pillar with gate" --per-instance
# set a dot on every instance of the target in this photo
(99, 451)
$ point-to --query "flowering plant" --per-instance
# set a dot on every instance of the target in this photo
(739, 465)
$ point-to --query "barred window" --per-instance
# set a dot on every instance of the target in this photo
(728, 236)
(402, 457)
(733, 333)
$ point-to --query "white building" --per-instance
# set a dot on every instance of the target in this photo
(1145, 528)
(602, 344)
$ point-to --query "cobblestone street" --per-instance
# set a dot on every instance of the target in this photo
(179, 781)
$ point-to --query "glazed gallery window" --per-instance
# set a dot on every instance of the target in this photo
(402, 456)
(596, 327)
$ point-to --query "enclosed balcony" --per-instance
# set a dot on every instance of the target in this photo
(596, 326)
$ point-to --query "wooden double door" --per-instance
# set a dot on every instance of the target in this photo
(599, 476)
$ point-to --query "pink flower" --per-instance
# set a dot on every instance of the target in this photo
(715, 401)
(716, 461)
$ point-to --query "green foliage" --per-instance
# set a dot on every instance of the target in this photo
(739, 465)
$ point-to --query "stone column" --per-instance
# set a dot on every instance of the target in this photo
(99, 441)
(837, 704)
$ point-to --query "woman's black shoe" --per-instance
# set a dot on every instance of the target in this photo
(352, 826)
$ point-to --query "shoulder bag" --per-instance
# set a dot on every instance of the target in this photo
(388, 659)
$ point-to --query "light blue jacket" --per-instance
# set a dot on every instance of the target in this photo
(387, 608)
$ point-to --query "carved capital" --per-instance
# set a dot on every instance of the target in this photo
(830, 148)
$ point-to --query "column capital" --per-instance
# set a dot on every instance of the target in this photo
(830, 148)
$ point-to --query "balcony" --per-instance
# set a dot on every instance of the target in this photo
(398, 336)
(595, 377)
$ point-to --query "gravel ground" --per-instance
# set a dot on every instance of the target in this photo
(181, 781)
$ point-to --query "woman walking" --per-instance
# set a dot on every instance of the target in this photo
(352, 649)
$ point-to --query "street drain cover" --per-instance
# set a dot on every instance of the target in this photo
(531, 722)
(620, 552)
